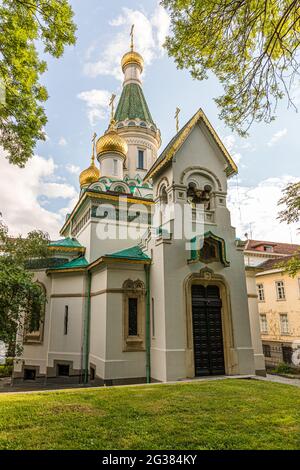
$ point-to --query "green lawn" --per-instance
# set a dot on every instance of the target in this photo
(226, 414)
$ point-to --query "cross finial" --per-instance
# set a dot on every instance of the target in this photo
(111, 104)
(177, 118)
(93, 151)
(131, 35)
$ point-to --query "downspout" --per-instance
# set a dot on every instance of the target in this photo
(148, 337)
(87, 324)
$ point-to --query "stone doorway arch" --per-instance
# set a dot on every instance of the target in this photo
(207, 277)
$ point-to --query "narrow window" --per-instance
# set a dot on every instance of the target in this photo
(66, 320)
(115, 167)
(132, 317)
(284, 324)
(141, 159)
(266, 350)
(29, 374)
(153, 319)
(287, 354)
(63, 370)
(261, 292)
(263, 323)
(280, 290)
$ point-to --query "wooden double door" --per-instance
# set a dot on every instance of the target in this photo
(207, 330)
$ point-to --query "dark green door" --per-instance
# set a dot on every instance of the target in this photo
(207, 331)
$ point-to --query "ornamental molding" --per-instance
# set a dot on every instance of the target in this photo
(142, 142)
(202, 170)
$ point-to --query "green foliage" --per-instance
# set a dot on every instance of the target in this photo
(20, 296)
(250, 45)
(291, 266)
(24, 24)
(291, 200)
(291, 214)
(283, 368)
(6, 370)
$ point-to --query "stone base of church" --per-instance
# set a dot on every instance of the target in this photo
(261, 373)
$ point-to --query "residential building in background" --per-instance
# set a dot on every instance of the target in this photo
(274, 297)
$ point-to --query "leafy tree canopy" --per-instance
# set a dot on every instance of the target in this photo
(20, 296)
(24, 24)
(291, 214)
(250, 45)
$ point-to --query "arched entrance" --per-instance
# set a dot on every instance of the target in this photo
(207, 301)
(207, 330)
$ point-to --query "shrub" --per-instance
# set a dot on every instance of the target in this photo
(6, 370)
(283, 368)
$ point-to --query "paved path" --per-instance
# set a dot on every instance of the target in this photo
(6, 388)
(279, 379)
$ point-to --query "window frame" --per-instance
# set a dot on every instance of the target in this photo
(284, 331)
(134, 290)
(280, 287)
(267, 350)
(263, 320)
(115, 167)
(37, 336)
(138, 159)
(261, 292)
(66, 320)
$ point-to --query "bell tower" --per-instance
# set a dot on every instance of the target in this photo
(133, 120)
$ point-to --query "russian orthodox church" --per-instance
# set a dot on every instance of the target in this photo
(128, 300)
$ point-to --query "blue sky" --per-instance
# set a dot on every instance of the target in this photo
(78, 86)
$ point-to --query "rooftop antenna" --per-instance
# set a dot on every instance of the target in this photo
(111, 104)
(177, 118)
(132, 37)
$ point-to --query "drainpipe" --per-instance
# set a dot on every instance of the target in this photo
(86, 333)
(148, 337)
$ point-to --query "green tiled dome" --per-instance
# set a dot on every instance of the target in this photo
(132, 105)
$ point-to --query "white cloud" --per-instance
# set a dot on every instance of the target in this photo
(73, 169)
(150, 33)
(161, 23)
(231, 145)
(256, 208)
(25, 192)
(277, 136)
(97, 104)
(62, 142)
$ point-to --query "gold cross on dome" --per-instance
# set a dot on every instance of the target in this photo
(111, 104)
(93, 141)
(177, 118)
(131, 35)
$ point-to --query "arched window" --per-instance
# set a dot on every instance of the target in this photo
(34, 326)
(163, 195)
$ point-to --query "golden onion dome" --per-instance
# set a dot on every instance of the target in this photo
(92, 173)
(132, 57)
(112, 142)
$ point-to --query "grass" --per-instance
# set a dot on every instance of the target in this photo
(225, 414)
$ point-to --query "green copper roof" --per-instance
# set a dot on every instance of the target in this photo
(132, 104)
(134, 253)
(75, 263)
(67, 242)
